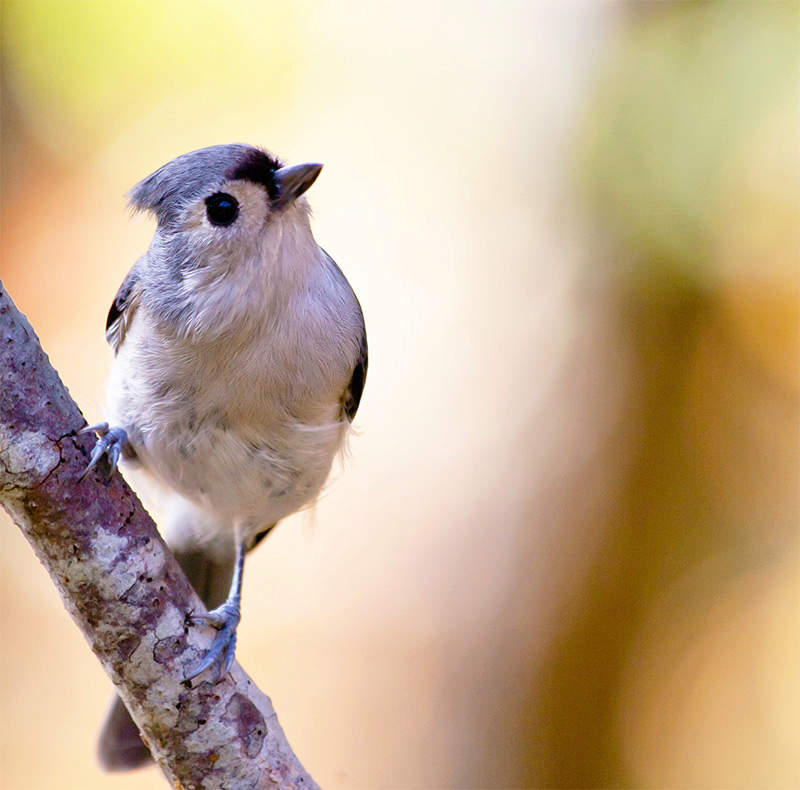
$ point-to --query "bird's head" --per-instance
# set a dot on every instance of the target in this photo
(230, 217)
(224, 196)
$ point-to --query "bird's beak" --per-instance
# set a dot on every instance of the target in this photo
(293, 181)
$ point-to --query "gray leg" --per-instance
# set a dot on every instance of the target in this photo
(225, 619)
(110, 443)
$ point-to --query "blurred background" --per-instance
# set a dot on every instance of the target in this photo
(563, 549)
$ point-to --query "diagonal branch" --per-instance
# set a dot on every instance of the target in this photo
(124, 588)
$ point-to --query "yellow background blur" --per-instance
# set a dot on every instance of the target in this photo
(563, 550)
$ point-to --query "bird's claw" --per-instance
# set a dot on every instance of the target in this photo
(220, 655)
(110, 443)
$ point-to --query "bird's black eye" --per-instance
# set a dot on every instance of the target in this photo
(222, 208)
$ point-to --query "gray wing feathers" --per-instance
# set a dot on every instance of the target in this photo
(352, 395)
(122, 309)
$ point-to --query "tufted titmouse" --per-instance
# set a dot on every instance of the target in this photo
(240, 359)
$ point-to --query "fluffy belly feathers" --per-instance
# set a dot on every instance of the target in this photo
(199, 441)
(256, 479)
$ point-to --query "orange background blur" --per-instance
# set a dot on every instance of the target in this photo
(563, 550)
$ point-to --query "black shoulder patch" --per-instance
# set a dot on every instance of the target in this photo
(259, 167)
(352, 395)
(118, 305)
(118, 314)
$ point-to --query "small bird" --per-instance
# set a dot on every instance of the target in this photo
(240, 359)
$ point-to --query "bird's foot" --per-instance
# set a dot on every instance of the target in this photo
(111, 442)
(225, 619)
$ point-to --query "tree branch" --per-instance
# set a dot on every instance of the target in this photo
(124, 588)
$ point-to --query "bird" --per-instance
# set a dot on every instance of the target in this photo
(240, 358)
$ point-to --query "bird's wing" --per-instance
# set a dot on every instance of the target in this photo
(122, 309)
(352, 395)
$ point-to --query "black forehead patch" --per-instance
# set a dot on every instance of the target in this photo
(259, 167)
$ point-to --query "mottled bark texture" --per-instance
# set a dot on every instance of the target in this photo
(123, 587)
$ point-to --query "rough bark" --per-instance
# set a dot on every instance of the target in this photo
(123, 587)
